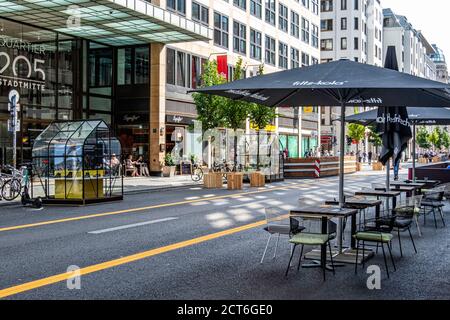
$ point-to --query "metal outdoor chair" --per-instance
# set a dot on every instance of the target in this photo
(278, 224)
(433, 201)
(406, 212)
(377, 231)
(311, 236)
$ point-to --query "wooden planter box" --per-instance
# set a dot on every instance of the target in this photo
(235, 181)
(358, 166)
(213, 180)
(257, 179)
(377, 166)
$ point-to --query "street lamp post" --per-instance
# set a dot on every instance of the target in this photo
(14, 122)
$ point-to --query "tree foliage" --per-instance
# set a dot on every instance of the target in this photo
(210, 107)
(374, 138)
(422, 138)
(356, 132)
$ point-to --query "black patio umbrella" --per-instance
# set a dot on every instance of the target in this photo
(395, 130)
(416, 116)
(343, 83)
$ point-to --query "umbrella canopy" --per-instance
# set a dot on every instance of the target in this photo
(336, 83)
(343, 83)
(416, 115)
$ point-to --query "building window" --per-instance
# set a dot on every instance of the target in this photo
(256, 8)
(295, 24)
(343, 23)
(305, 59)
(270, 12)
(283, 18)
(197, 70)
(124, 66)
(343, 4)
(141, 67)
(305, 30)
(314, 61)
(200, 13)
(295, 58)
(220, 30)
(315, 6)
(182, 70)
(239, 37)
(177, 5)
(356, 24)
(282, 55)
(305, 3)
(255, 44)
(170, 67)
(356, 4)
(315, 36)
(269, 51)
(326, 25)
(326, 44)
(343, 43)
(356, 44)
(326, 5)
(241, 4)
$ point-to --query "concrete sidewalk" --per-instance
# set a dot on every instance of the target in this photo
(136, 185)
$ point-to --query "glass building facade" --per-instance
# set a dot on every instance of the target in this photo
(60, 77)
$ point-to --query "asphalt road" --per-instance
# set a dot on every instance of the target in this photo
(195, 244)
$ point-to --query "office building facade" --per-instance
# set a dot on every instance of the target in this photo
(130, 62)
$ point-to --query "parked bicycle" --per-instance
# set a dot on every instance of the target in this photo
(12, 185)
(197, 172)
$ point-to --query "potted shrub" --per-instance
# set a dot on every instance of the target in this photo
(169, 166)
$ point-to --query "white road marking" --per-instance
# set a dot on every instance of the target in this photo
(132, 225)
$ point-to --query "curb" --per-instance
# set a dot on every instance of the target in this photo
(4, 203)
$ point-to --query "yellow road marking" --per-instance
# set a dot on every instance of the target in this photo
(124, 260)
(97, 215)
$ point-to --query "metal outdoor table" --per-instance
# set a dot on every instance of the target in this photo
(381, 194)
(325, 212)
(403, 185)
(427, 183)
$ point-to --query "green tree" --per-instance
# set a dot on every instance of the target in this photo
(260, 116)
(374, 138)
(357, 133)
(235, 112)
(435, 138)
(445, 139)
(422, 138)
(210, 107)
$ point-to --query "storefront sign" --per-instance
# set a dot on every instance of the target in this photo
(268, 128)
(179, 119)
(33, 75)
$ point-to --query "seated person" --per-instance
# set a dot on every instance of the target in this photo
(142, 167)
(130, 166)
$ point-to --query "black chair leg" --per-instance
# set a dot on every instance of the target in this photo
(442, 216)
(300, 259)
(363, 251)
(400, 243)
(385, 261)
(290, 260)
(434, 216)
(356, 259)
(331, 257)
(392, 258)
(412, 240)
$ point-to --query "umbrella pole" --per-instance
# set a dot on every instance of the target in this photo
(388, 172)
(342, 158)
(414, 154)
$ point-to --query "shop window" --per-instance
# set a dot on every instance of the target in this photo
(124, 67)
(142, 61)
(170, 66)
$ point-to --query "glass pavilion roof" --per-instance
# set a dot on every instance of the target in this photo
(112, 22)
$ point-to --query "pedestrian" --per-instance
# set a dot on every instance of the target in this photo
(369, 157)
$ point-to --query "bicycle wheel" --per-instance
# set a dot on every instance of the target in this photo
(11, 189)
(197, 174)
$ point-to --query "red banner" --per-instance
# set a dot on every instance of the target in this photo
(222, 65)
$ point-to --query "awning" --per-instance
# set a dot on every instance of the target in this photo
(111, 22)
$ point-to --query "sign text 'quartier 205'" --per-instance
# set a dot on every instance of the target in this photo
(9, 62)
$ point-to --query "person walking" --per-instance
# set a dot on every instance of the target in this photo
(369, 157)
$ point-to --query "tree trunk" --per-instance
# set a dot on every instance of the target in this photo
(235, 150)
(257, 153)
